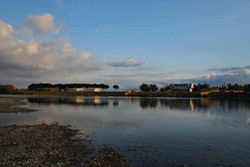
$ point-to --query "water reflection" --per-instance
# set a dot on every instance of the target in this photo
(203, 104)
(74, 101)
(129, 127)
(148, 102)
(115, 102)
(176, 129)
(177, 104)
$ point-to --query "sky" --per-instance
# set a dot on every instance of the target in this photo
(124, 42)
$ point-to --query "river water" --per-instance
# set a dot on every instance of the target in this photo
(153, 131)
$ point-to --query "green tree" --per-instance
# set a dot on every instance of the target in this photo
(203, 86)
(153, 87)
(145, 87)
(235, 87)
(162, 89)
(116, 87)
(247, 87)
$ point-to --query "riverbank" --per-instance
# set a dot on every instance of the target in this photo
(51, 145)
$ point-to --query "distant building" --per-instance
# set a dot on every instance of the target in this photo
(182, 86)
(78, 89)
(49, 89)
(131, 91)
(93, 90)
(84, 89)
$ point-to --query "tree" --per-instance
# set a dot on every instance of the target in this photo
(247, 87)
(235, 87)
(153, 87)
(145, 87)
(116, 87)
(166, 88)
(63, 86)
(203, 86)
(162, 89)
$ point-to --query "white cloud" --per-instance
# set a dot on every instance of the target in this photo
(46, 58)
(41, 24)
(126, 63)
(5, 30)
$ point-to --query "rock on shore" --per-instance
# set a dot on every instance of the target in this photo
(51, 146)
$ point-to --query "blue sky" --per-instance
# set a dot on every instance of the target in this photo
(131, 41)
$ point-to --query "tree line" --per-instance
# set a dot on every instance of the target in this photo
(64, 86)
(197, 87)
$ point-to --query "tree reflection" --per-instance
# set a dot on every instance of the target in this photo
(74, 101)
(116, 103)
(148, 102)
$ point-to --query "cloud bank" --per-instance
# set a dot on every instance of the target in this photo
(219, 76)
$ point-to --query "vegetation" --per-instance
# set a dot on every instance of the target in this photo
(153, 87)
(166, 88)
(235, 87)
(200, 90)
(7, 88)
(116, 87)
(247, 88)
(147, 88)
(200, 87)
(64, 86)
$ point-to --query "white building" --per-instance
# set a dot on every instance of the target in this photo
(93, 89)
(84, 89)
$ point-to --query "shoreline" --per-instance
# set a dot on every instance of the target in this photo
(50, 144)
(53, 145)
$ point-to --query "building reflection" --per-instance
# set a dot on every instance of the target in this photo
(93, 101)
(175, 103)
(194, 104)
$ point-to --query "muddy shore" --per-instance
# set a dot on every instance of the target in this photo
(51, 145)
